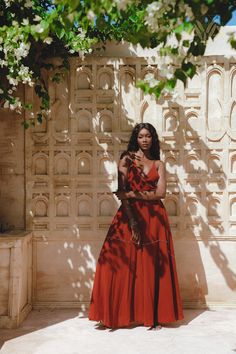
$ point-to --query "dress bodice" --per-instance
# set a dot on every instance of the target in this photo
(137, 180)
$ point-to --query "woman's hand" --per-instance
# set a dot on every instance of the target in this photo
(136, 236)
(124, 195)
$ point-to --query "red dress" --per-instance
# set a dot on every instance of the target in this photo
(137, 283)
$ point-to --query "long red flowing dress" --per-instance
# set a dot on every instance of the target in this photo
(136, 283)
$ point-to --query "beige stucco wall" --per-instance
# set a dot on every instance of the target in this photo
(12, 166)
(70, 171)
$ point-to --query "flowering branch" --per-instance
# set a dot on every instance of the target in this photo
(33, 31)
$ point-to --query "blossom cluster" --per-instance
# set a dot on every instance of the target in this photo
(157, 11)
(20, 36)
(122, 4)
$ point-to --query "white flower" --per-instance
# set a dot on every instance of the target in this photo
(8, 2)
(81, 54)
(37, 18)
(155, 12)
(169, 75)
(150, 80)
(149, 76)
(22, 51)
(82, 33)
(153, 82)
(16, 105)
(3, 63)
(12, 81)
(1, 91)
(25, 22)
(39, 28)
(6, 104)
(48, 40)
(91, 15)
(122, 4)
(28, 3)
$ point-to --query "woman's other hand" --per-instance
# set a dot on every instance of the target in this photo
(122, 195)
(136, 236)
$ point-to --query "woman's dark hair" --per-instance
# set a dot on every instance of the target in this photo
(133, 143)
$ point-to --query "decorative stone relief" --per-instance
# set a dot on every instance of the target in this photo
(83, 78)
(232, 122)
(62, 163)
(215, 91)
(214, 205)
(40, 163)
(170, 121)
(233, 207)
(84, 164)
(106, 167)
(84, 121)
(105, 78)
(171, 205)
(214, 161)
(192, 124)
(105, 206)
(233, 163)
(71, 169)
(105, 121)
(192, 205)
(128, 94)
(40, 208)
(192, 162)
(104, 105)
(84, 206)
(62, 205)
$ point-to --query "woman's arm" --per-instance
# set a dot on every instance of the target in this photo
(122, 184)
(158, 193)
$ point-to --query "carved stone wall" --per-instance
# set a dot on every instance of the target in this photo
(71, 170)
(12, 171)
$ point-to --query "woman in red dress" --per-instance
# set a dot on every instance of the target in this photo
(136, 279)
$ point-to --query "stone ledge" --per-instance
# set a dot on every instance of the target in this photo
(15, 277)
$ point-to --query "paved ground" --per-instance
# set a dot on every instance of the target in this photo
(70, 332)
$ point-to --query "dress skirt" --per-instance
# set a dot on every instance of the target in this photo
(137, 283)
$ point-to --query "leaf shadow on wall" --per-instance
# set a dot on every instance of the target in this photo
(202, 211)
(95, 132)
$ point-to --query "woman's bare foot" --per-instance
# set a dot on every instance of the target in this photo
(155, 328)
(101, 325)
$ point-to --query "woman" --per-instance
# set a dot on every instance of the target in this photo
(136, 279)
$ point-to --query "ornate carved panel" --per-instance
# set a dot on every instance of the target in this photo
(71, 160)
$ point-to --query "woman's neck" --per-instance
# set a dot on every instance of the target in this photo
(144, 154)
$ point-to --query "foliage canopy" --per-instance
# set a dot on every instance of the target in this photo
(33, 31)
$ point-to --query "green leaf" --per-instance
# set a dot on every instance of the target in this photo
(178, 36)
(170, 84)
(186, 43)
(25, 124)
(189, 69)
(180, 74)
(40, 118)
(28, 106)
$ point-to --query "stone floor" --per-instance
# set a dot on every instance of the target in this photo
(70, 332)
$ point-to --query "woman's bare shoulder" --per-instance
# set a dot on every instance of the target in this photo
(159, 164)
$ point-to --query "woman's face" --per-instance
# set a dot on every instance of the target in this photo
(144, 139)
